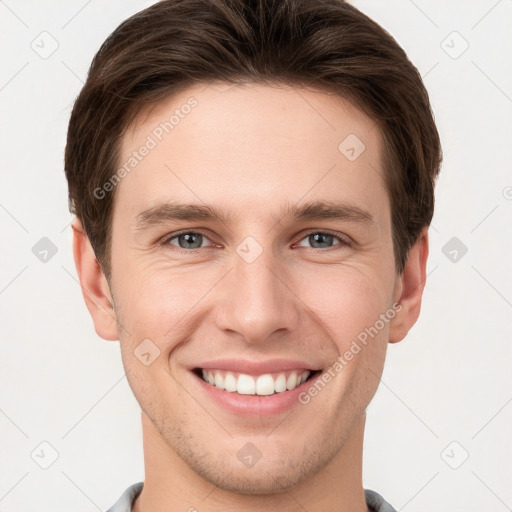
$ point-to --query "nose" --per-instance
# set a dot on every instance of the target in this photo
(257, 300)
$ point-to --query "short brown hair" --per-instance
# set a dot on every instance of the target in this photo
(327, 44)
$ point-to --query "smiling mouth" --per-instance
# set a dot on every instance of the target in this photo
(258, 385)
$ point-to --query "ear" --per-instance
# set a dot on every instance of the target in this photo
(94, 285)
(409, 289)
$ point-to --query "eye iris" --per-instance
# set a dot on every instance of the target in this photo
(194, 240)
(320, 238)
(189, 240)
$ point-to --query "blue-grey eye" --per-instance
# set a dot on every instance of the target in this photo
(190, 240)
(320, 240)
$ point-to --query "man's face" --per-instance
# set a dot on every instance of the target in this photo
(257, 286)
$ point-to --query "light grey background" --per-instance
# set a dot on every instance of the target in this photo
(446, 390)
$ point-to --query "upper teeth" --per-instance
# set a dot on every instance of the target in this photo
(244, 384)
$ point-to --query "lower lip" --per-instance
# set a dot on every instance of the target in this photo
(254, 405)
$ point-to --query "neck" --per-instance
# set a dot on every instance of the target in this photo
(170, 484)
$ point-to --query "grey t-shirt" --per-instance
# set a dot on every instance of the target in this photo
(374, 500)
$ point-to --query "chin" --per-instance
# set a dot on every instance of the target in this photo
(262, 480)
(278, 470)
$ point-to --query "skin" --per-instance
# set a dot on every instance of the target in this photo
(249, 150)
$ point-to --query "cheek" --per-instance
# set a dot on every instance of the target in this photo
(349, 305)
(347, 299)
(152, 306)
(157, 301)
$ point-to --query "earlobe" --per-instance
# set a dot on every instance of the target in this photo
(410, 289)
(94, 285)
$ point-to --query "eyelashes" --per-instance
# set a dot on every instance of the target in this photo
(311, 236)
(342, 238)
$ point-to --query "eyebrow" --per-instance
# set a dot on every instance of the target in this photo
(314, 210)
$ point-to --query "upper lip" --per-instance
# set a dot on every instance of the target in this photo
(256, 367)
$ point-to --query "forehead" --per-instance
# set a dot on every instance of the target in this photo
(249, 144)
